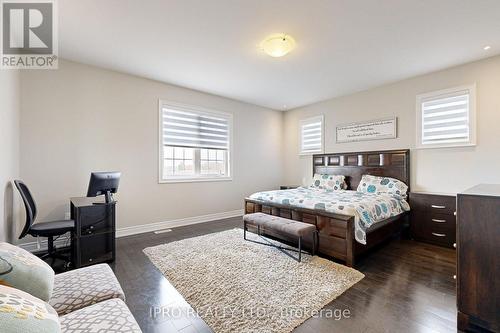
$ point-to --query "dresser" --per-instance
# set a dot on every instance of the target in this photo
(478, 259)
(432, 218)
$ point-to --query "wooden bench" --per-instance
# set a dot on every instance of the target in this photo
(284, 226)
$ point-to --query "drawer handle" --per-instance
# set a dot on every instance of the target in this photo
(438, 207)
(438, 221)
(438, 235)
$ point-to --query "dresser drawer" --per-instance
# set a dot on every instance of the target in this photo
(440, 204)
(439, 236)
(435, 233)
(437, 220)
(425, 220)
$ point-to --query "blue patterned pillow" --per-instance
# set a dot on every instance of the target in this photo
(329, 182)
(382, 185)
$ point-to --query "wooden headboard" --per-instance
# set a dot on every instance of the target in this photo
(388, 163)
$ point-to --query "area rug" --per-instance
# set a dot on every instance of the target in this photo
(240, 286)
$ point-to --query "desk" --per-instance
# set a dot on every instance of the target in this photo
(94, 238)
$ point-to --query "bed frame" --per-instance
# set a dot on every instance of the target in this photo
(336, 232)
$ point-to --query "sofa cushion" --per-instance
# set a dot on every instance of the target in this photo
(22, 270)
(22, 312)
(81, 287)
(104, 317)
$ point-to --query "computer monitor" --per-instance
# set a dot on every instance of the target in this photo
(103, 183)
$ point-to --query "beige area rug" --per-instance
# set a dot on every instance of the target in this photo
(240, 286)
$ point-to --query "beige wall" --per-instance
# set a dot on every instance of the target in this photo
(9, 149)
(440, 170)
(80, 118)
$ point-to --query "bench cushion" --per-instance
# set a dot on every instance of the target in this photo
(280, 224)
(82, 287)
(104, 317)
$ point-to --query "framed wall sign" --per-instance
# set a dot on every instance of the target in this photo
(367, 130)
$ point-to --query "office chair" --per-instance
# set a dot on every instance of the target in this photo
(44, 229)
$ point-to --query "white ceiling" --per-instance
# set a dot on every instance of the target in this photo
(343, 46)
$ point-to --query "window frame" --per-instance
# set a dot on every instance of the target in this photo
(304, 121)
(421, 98)
(199, 177)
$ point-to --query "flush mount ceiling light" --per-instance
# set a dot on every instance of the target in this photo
(487, 47)
(277, 45)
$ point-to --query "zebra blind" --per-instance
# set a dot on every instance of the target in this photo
(311, 135)
(187, 128)
(445, 119)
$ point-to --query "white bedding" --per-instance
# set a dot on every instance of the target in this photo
(367, 208)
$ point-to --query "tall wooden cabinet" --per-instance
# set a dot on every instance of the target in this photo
(478, 259)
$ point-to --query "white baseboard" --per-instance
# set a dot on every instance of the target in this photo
(139, 229)
(33, 246)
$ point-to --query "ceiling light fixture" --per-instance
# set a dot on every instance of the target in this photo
(278, 45)
(487, 47)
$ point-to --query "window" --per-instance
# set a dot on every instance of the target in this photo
(446, 118)
(195, 143)
(311, 135)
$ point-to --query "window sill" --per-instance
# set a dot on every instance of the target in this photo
(461, 145)
(195, 180)
(310, 153)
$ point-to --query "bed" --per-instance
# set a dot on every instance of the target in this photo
(337, 227)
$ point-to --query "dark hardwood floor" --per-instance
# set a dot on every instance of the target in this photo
(408, 287)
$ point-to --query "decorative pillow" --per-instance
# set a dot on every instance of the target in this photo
(381, 185)
(329, 182)
(21, 312)
(25, 271)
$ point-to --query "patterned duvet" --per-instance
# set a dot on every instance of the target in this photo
(367, 208)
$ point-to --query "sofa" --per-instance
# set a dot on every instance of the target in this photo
(88, 299)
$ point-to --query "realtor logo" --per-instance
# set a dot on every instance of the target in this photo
(29, 34)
